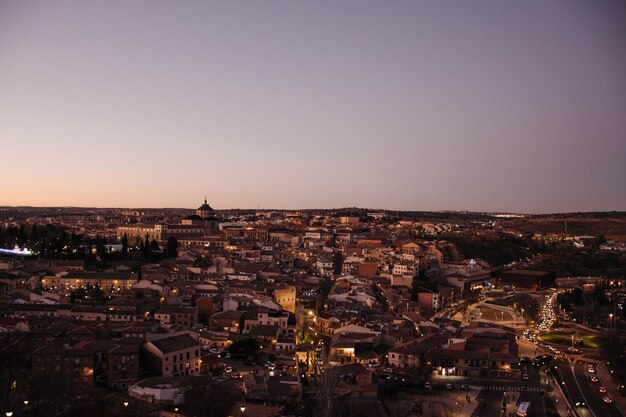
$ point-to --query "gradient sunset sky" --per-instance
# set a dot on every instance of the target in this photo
(411, 105)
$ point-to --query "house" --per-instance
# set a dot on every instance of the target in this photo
(185, 316)
(356, 379)
(173, 356)
(286, 344)
(266, 335)
(219, 340)
(228, 320)
(161, 390)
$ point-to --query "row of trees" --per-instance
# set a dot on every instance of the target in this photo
(54, 242)
(146, 246)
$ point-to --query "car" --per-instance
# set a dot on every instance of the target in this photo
(601, 389)
(594, 379)
(591, 370)
(255, 371)
(235, 376)
(228, 369)
(525, 377)
(580, 402)
(607, 399)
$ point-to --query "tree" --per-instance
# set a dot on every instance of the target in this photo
(154, 245)
(22, 236)
(329, 400)
(78, 294)
(247, 347)
(338, 259)
(125, 244)
(599, 295)
(172, 247)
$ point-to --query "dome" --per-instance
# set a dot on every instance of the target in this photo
(205, 207)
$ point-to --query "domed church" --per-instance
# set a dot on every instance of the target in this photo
(204, 216)
(205, 211)
(203, 222)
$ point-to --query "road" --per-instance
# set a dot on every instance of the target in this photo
(578, 384)
(571, 387)
(591, 393)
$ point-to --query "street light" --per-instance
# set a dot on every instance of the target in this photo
(25, 403)
(9, 413)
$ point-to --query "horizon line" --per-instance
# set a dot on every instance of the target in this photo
(324, 209)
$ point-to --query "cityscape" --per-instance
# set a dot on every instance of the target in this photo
(313, 209)
(311, 312)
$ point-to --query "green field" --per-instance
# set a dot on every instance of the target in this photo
(565, 339)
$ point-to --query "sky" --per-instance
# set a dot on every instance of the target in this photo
(515, 106)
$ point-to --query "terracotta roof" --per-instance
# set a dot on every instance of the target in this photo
(173, 344)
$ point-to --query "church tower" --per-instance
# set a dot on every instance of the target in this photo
(205, 211)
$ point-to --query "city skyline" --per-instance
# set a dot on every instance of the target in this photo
(422, 106)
